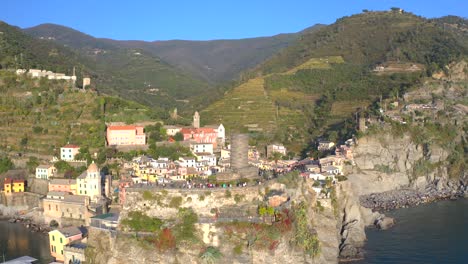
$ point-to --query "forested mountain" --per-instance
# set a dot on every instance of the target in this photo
(212, 61)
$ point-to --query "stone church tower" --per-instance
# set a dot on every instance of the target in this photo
(196, 120)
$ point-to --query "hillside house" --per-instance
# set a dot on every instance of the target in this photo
(14, 185)
(172, 130)
(125, 135)
(272, 148)
(68, 152)
(45, 171)
(325, 145)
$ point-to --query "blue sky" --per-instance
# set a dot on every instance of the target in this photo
(203, 19)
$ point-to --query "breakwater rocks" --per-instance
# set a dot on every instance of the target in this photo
(28, 223)
(409, 197)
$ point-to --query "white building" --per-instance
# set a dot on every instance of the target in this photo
(272, 148)
(172, 130)
(187, 162)
(68, 152)
(45, 171)
(89, 183)
(201, 148)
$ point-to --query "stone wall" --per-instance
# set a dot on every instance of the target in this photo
(39, 186)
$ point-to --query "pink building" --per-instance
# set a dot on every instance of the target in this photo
(200, 135)
(63, 185)
(126, 135)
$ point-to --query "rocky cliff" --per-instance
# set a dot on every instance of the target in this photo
(268, 244)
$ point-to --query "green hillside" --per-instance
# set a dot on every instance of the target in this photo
(128, 72)
(320, 81)
(39, 116)
(213, 61)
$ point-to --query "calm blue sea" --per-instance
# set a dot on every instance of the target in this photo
(432, 233)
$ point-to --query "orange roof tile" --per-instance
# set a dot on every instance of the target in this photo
(122, 127)
(71, 146)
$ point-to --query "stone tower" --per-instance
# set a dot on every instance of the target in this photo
(196, 120)
(239, 151)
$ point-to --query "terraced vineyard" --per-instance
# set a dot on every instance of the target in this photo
(40, 116)
(245, 108)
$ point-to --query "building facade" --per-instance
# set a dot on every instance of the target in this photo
(63, 185)
(59, 238)
(125, 135)
(14, 185)
(89, 183)
(68, 152)
(45, 171)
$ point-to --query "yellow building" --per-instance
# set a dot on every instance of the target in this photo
(59, 238)
(14, 186)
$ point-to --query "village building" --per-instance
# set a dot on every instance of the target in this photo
(89, 183)
(325, 145)
(68, 152)
(272, 148)
(14, 185)
(45, 171)
(63, 185)
(201, 148)
(200, 135)
(125, 135)
(70, 209)
(172, 130)
(59, 238)
(74, 253)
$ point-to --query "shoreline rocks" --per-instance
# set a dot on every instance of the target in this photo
(29, 224)
(403, 198)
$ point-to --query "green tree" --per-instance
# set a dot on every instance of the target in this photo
(179, 136)
(5, 164)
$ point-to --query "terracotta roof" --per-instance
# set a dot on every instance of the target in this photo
(121, 127)
(10, 181)
(197, 130)
(44, 166)
(71, 146)
(93, 167)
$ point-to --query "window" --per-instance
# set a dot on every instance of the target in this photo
(53, 238)
(61, 241)
(61, 252)
(52, 248)
(56, 207)
(49, 207)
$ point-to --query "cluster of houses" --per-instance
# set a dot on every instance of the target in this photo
(75, 203)
(84, 201)
(35, 73)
